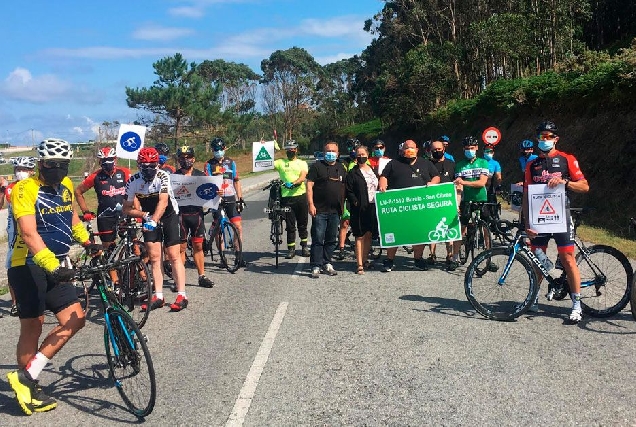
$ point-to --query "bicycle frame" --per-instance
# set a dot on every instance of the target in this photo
(277, 215)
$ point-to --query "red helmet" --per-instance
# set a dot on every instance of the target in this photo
(106, 153)
(148, 155)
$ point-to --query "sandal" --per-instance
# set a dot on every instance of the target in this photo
(360, 270)
(431, 259)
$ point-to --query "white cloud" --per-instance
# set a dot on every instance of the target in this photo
(196, 9)
(156, 32)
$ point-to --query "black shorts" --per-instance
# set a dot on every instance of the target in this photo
(35, 291)
(564, 241)
(192, 224)
(108, 223)
(230, 209)
(167, 231)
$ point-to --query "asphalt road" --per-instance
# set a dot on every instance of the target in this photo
(276, 347)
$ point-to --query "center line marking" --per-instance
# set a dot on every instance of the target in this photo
(244, 400)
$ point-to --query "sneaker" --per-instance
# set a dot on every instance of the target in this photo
(328, 269)
(204, 282)
(14, 311)
(315, 272)
(291, 252)
(421, 264)
(387, 265)
(452, 265)
(179, 304)
(576, 316)
(154, 304)
(340, 255)
(29, 394)
(305, 250)
(431, 259)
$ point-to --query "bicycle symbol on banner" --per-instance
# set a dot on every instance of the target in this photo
(442, 232)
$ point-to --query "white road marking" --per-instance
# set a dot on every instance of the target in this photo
(244, 400)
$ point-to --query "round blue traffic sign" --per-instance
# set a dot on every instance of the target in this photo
(130, 141)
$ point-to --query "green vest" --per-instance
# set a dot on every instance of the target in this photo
(468, 171)
(289, 171)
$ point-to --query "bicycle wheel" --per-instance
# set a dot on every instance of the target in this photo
(276, 233)
(504, 294)
(129, 362)
(135, 289)
(467, 243)
(632, 299)
(604, 294)
(229, 246)
(483, 239)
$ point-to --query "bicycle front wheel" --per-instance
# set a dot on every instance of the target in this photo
(130, 363)
(135, 289)
(229, 246)
(498, 287)
(633, 298)
(606, 280)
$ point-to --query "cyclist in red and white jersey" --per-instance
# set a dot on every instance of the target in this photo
(160, 213)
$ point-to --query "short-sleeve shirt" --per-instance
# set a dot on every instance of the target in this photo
(53, 211)
(110, 189)
(557, 165)
(493, 167)
(185, 208)
(227, 168)
(290, 171)
(472, 171)
(11, 226)
(523, 162)
(328, 190)
(400, 174)
(148, 192)
(446, 169)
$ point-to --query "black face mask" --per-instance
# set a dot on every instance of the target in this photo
(186, 163)
(148, 174)
(108, 167)
(437, 155)
(362, 160)
(53, 176)
(291, 155)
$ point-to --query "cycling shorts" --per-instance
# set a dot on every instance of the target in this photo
(564, 241)
(192, 224)
(35, 291)
(167, 231)
(108, 223)
(230, 209)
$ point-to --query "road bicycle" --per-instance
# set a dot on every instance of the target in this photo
(478, 236)
(277, 214)
(227, 239)
(632, 299)
(506, 291)
(127, 351)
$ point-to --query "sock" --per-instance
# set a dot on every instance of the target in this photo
(201, 275)
(576, 301)
(36, 365)
(183, 294)
(159, 295)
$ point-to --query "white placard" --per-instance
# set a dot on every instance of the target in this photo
(516, 197)
(196, 190)
(262, 156)
(130, 141)
(547, 208)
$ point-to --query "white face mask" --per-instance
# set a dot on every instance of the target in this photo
(22, 175)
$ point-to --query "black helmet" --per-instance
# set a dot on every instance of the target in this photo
(352, 144)
(526, 144)
(162, 148)
(469, 140)
(378, 142)
(185, 150)
(547, 126)
(217, 144)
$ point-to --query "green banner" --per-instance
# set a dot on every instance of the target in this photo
(417, 215)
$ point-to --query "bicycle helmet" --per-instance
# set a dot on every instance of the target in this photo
(106, 153)
(217, 144)
(547, 126)
(445, 139)
(378, 143)
(148, 155)
(24, 162)
(526, 144)
(469, 141)
(162, 148)
(352, 144)
(290, 145)
(185, 150)
(55, 148)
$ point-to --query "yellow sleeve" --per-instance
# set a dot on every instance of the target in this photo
(23, 198)
(277, 164)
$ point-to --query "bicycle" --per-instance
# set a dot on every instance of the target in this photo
(276, 214)
(632, 298)
(478, 236)
(227, 239)
(126, 348)
(507, 291)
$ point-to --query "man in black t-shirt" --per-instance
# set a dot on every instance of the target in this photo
(406, 171)
(446, 169)
(325, 196)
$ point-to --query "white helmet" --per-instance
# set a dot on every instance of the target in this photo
(106, 153)
(24, 162)
(55, 148)
(290, 145)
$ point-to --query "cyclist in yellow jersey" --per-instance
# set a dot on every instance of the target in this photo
(293, 172)
(47, 225)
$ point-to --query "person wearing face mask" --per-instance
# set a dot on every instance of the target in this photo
(446, 169)
(232, 192)
(109, 182)
(553, 167)
(159, 212)
(471, 177)
(494, 171)
(527, 154)
(348, 163)
(292, 172)
(163, 150)
(408, 170)
(325, 197)
(23, 168)
(379, 152)
(361, 185)
(191, 218)
(47, 225)
(446, 141)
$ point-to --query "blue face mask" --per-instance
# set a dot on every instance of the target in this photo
(488, 156)
(470, 154)
(330, 156)
(546, 145)
(162, 159)
(378, 152)
(219, 154)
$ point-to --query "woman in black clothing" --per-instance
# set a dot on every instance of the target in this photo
(361, 185)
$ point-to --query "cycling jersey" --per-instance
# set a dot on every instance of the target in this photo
(110, 189)
(148, 192)
(53, 211)
(10, 222)
(190, 209)
(523, 161)
(472, 171)
(227, 168)
(290, 171)
(557, 165)
(167, 168)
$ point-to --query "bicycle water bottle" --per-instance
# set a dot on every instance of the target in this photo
(543, 258)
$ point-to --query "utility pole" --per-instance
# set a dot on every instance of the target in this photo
(33, 138)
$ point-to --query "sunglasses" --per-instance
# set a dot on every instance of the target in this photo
(148, 165)
(186, 157)
(545, 136)
(49, 164)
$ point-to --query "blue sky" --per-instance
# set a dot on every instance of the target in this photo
(65, 65)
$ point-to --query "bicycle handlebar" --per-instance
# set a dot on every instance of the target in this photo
(86, 271)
